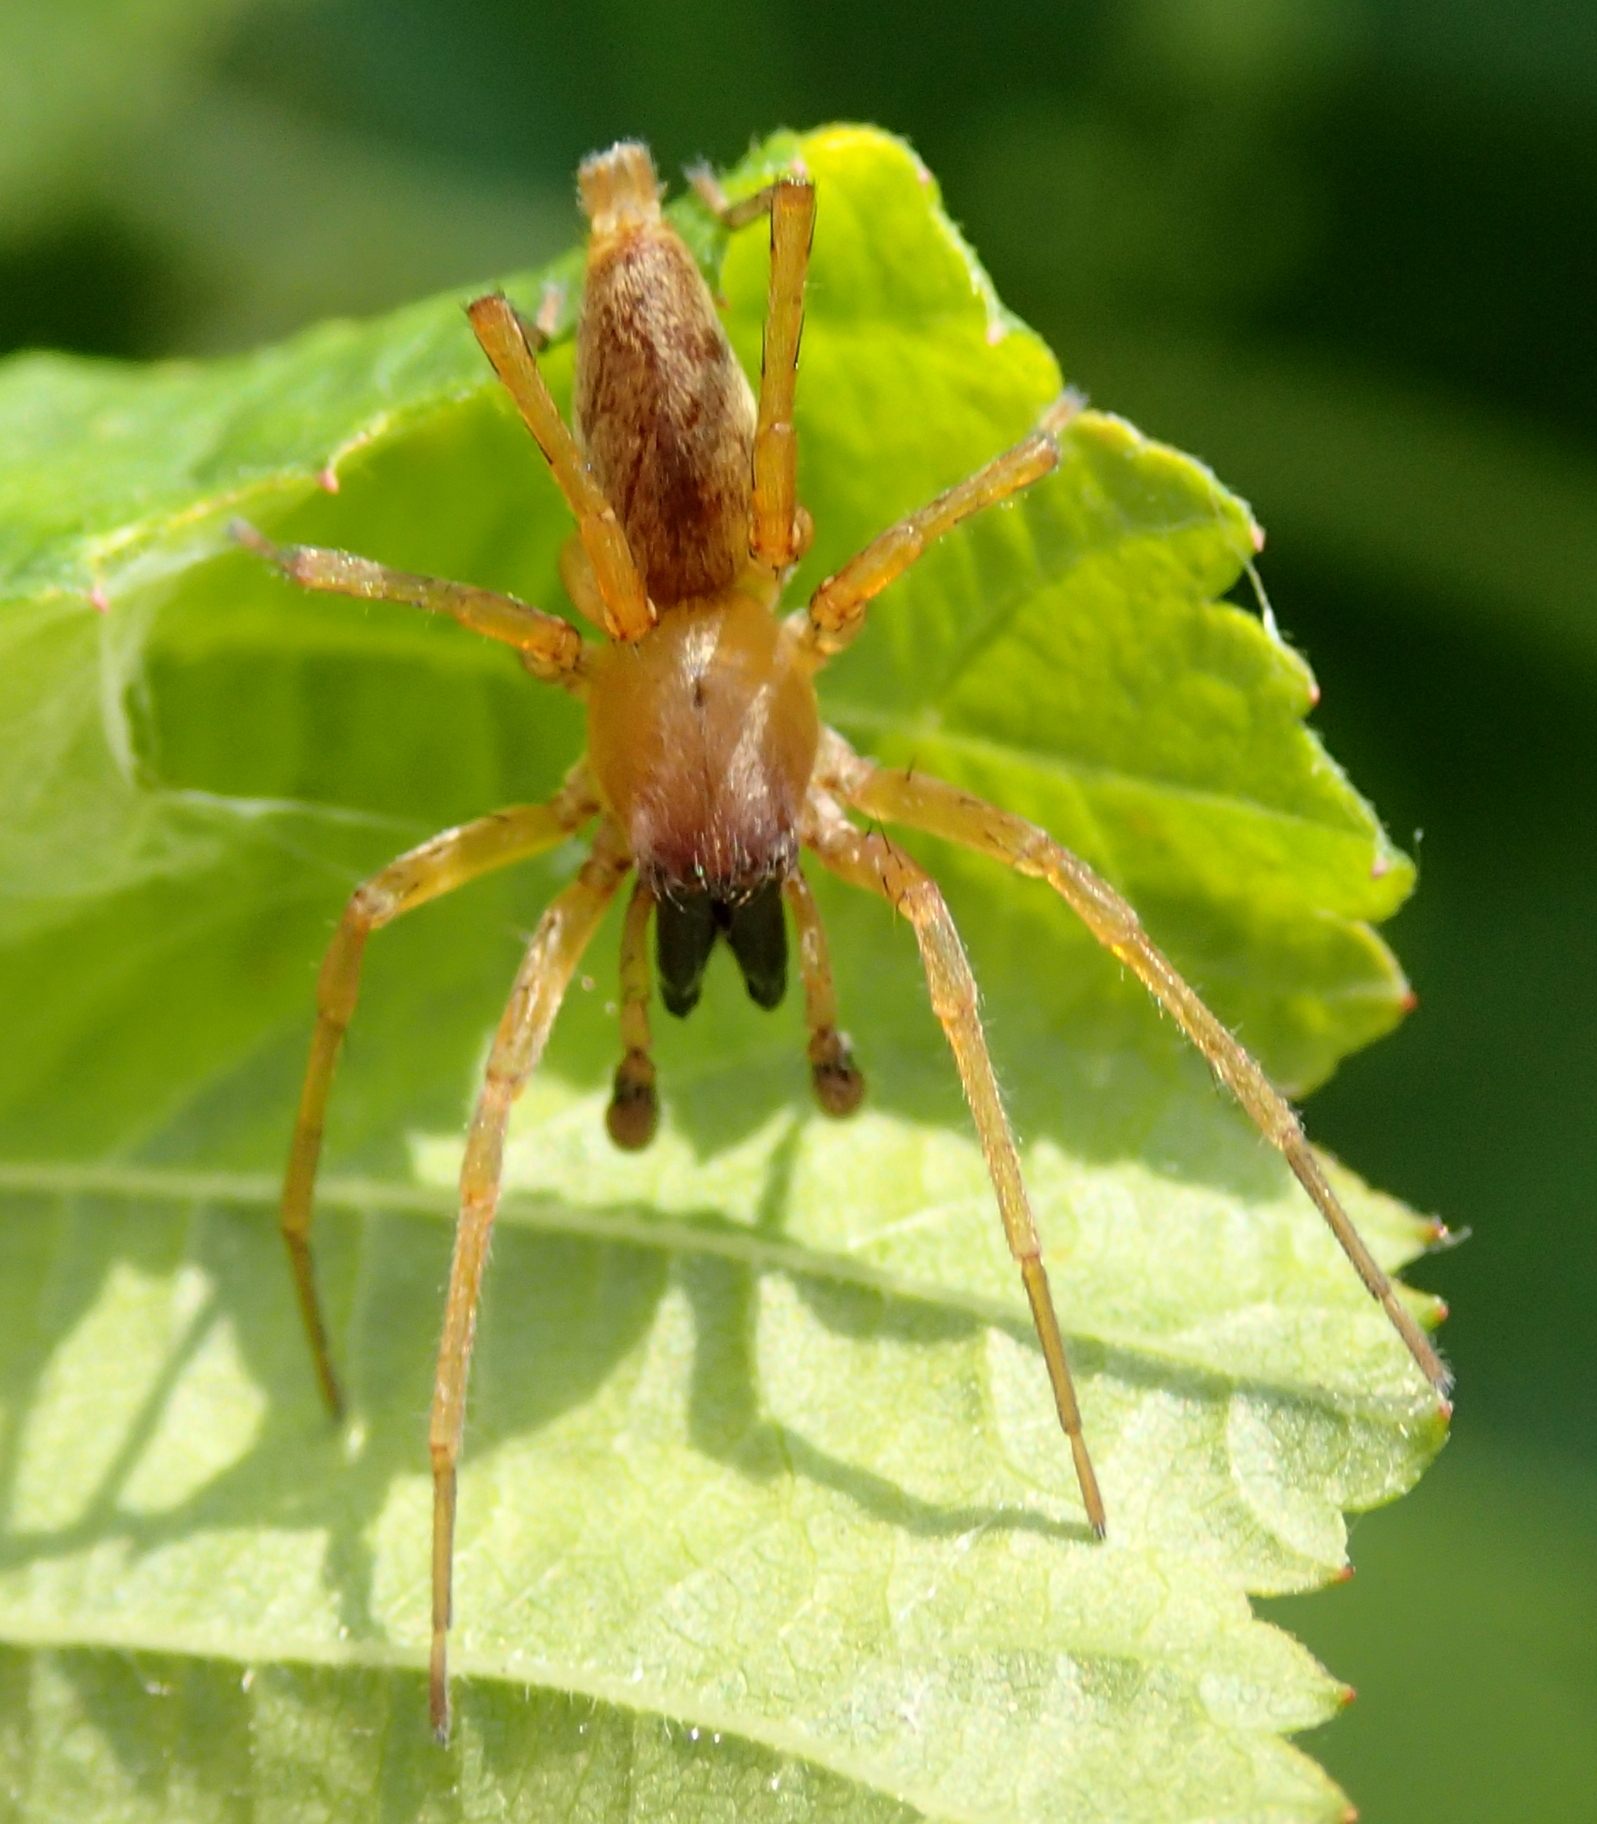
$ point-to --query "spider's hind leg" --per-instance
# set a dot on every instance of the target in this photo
(511, 345)
(780, 530)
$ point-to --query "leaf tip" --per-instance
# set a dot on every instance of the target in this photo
(327, 479)
(99, 601)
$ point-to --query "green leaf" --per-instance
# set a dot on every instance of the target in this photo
(765, 1511)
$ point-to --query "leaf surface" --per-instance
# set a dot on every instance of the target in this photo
(765, 1511)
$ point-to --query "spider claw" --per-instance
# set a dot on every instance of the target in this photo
(288, 559)
(1070, 404)
(251, 538)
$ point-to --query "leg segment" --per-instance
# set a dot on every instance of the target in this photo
(838, 1082)
(778, 535)
(508, 342)
(780, 532)
(550, 648)
(562, 935)
(731, 216)
(437, 867)
(540, 332)
(929, 804)
(837, 608)
(634, 1110)
(870, 861)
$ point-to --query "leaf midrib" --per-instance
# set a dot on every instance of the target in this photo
(551, 1213)
(383, 1655)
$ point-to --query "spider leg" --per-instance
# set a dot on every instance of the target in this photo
(732, 216)
(509, 343)
(870, 861)
(550, 648)
(540, 332)
(837, 609)
(780, 530)
(435, 868)
(929, 804)
(579, 582)
(634, 1110)
(839, 1083)
(563, 934)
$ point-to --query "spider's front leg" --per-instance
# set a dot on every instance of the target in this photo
(779, 532)
(870, 861)
(439, 866)
(563, 934)
(924, 803)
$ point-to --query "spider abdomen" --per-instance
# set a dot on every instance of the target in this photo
(663, 410)
(702, 738)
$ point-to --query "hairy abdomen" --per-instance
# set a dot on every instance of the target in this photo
(663, 410)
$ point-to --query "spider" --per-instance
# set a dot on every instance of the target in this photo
(708, 771)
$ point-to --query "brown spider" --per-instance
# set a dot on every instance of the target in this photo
(708, 768)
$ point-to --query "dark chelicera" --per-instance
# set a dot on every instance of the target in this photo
(687, 925)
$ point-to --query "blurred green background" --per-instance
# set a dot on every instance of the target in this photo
(1342, 249)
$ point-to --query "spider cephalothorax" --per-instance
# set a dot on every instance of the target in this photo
(708, 771)
(702, 740)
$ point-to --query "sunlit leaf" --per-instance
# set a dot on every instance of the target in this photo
(765, 1512)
